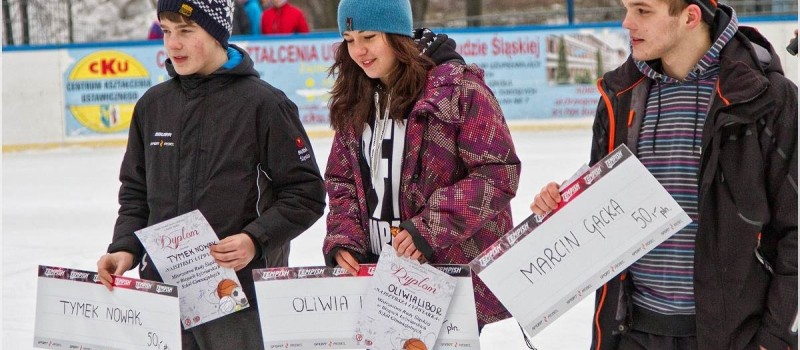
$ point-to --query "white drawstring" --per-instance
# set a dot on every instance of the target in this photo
(376, 150)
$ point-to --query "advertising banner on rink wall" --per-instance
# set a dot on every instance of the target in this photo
(544, 74)
(299, 67)
(101, 86)
(535, 73)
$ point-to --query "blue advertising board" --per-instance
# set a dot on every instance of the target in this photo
(535, 74)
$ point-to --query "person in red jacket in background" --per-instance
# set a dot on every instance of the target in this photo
(155, 31)
(283, 18)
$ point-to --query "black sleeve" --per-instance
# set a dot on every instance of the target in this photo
(780, 313)
(298, 194)
(133, 210)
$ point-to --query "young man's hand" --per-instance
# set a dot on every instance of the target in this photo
(546, 200)
(234, 251)
(113, 263)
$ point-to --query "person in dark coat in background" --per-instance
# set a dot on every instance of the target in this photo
(241, 21)
(155, 31)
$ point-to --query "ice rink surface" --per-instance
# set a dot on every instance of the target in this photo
(59, 209)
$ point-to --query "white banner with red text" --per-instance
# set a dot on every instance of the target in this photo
(75, 311)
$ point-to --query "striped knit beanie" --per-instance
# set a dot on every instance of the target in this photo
(214, 16)
(387, 16)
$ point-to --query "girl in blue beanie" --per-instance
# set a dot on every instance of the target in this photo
(422, 158)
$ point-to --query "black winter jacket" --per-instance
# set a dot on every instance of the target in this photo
(230, 145)
(748, 189)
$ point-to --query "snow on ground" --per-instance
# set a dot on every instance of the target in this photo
(59, 209)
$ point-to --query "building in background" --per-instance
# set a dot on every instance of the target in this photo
(581, 58)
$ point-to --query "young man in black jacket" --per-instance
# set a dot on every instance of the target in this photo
(216, 138)
(705, 106)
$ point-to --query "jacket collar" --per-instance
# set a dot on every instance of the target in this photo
(744, 62)
(239, 64)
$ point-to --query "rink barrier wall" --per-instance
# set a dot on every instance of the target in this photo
(314, 132)
(46, 88)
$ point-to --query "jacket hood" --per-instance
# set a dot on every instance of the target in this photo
(750, 58)
(243, 68)
(446, 88)
(439, 47)
(747, 56)
(447, 78)
(761, 51)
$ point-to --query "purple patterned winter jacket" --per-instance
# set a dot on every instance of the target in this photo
(459, 173)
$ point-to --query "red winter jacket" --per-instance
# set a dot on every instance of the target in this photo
(284, 20)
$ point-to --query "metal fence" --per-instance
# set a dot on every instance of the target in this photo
(596, 14)
(41, 22)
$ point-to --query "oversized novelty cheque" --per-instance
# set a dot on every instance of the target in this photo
(319, 308)
(608, 218)
(75, 311)
(180, 248)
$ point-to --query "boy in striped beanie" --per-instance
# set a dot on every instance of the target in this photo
(217, 139)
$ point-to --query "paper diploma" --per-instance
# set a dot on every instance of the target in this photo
(609, 217)
(180, 248)
(406, 303)
(319, 307)
(75, 311)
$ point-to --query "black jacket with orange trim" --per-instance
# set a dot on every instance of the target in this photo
(747, 197)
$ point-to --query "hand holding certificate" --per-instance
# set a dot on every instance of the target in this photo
(318, 308)
(609, 217)
(180, 250)
(406, 302)
(74, 311)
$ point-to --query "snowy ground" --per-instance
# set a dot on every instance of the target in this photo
(59, 209)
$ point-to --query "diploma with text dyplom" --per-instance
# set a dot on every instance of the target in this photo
(405, 304)
(317, 307)
(75, 311)
(180, 248)
(609, 217)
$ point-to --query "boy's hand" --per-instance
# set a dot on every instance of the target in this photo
(546, 200)
(113, 263)
(234, 251)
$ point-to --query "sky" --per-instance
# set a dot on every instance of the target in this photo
(59, 209)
